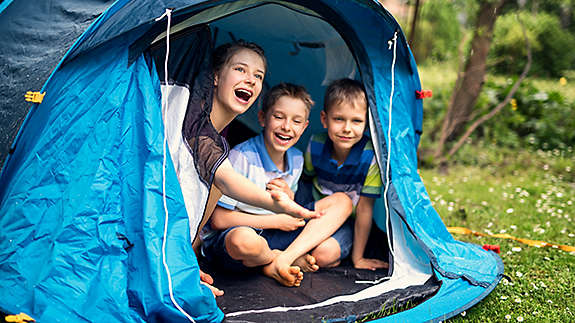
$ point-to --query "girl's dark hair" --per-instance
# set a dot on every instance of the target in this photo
(223, 53)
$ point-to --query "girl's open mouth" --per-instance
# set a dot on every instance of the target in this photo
(243, 94)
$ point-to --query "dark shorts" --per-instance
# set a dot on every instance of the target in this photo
(214, 247)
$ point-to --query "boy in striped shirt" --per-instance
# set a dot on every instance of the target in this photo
(244, 236)
(343, 160)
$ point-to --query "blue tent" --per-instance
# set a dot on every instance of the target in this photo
(103, 189)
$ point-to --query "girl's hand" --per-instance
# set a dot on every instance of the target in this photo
(279, 184)
(371, 264)
(287, 205)
(286, 222)
(207, 280)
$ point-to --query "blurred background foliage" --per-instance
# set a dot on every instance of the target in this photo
(540, 116)
(553, 45)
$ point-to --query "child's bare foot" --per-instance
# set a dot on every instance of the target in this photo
(307, 263)
(371, 264)
(284, 274)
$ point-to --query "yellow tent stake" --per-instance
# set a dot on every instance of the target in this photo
(19, 318)
(34, 97)
(533, 243)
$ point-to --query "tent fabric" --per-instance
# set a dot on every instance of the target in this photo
(81, 193)
(69, 202)
(30, 51)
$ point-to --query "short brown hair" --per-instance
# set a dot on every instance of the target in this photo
(223, 53)
(344, 90)
(286, 89)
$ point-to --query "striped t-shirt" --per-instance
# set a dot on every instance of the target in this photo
(357, 176)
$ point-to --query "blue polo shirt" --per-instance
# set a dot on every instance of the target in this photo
(251, 159)
(357, 176)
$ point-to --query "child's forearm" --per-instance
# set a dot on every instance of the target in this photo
(362, 228)
(242, 189)
(223, 219)
(361, 234)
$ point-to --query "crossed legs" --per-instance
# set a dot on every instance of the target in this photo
(316, 236)
(286, 267)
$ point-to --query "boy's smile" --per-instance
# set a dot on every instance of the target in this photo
(239, 82)
(345, 123)
(283, 124)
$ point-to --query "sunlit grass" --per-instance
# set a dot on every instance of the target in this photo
(527, 195)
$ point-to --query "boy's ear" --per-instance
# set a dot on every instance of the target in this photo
(262, 118)
(306, 124)
(323, 118)
(215, 79)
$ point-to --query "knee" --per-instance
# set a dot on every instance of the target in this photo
(327, 253)
(342, 201)
(242, 242)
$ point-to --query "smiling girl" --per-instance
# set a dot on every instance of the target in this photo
(239, 70)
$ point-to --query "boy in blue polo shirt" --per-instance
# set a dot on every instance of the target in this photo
(247, 236)
(343, 160)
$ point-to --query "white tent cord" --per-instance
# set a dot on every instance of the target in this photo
(392, 42)
(168, 14)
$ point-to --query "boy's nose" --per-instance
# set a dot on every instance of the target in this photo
(347, 126)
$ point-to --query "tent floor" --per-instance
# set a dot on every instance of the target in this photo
(253, 291)
(250, 291)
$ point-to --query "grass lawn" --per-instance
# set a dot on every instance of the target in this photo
(527, 194)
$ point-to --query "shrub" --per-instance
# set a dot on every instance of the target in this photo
(534, 118)
(438, 33)
(553, 48)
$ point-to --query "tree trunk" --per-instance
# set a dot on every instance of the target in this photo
(413, 29)
(469, 84)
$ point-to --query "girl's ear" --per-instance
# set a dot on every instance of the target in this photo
(262, 118)
(215, 79)
(323, 118)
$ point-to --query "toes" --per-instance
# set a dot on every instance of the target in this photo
(295, 270)
(310, 259)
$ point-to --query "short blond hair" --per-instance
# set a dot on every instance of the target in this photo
(289, 90)
(343, 90)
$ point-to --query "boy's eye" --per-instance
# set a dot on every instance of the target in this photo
(297, 121)
(358, 121)
(277, 116)
(338, 119)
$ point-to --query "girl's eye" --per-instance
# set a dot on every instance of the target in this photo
(278, 117)
(358, 121)
(297, 121)
(240, 69)
(259, 77)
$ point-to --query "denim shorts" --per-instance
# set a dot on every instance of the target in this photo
(214, 247)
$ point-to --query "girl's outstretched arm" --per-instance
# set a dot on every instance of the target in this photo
(223, 219)
(238, 187)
